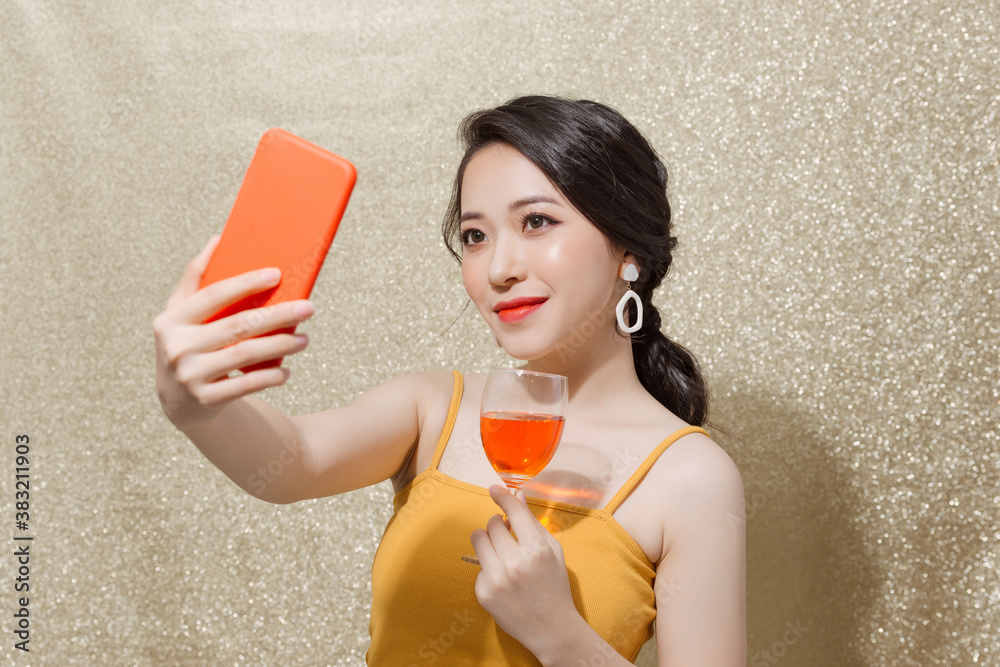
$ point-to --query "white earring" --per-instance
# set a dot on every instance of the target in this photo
(631, 273)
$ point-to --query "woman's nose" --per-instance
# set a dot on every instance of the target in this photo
(507, 262)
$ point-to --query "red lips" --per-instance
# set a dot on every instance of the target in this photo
(518, 302)
(518, 309)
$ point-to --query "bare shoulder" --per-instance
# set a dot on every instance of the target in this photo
(697, 457)
(701, 483)
(437, 388)
(409, 392)
(419, 385)
(428, 379)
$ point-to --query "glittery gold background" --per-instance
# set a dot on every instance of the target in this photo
(835, 181)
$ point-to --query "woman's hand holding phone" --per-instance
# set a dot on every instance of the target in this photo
(194, 360)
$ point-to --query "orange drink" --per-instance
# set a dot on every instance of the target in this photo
(520, 444)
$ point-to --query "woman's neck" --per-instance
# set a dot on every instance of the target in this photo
(597, 378)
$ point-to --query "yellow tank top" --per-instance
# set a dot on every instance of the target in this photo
(424, 606)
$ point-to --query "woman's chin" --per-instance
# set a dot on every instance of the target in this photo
(520, 352)
(530, 352)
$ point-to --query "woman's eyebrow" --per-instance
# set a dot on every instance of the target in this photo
(514, 205)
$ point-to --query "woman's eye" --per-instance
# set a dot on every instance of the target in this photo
(535, 221)
(472, 236)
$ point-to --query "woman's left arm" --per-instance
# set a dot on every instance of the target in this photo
(701, 581)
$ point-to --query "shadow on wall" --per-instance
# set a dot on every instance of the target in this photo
(808, 578)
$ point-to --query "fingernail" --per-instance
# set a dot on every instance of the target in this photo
(301, 339)
(303, 309)
(270, 275)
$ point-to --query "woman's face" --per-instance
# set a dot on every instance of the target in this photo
(542, 276)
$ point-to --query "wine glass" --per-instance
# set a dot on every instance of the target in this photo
(521, 420)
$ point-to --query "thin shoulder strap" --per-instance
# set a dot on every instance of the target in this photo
(647, 464)
(456, 398)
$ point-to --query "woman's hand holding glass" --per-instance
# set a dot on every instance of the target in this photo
(523, 583)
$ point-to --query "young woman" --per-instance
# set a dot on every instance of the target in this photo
(636, 524)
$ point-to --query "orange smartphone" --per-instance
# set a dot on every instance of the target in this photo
(286, 214)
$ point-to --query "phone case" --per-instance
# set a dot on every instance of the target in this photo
(286, 214)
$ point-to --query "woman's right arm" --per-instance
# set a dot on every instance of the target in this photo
(271, 456)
